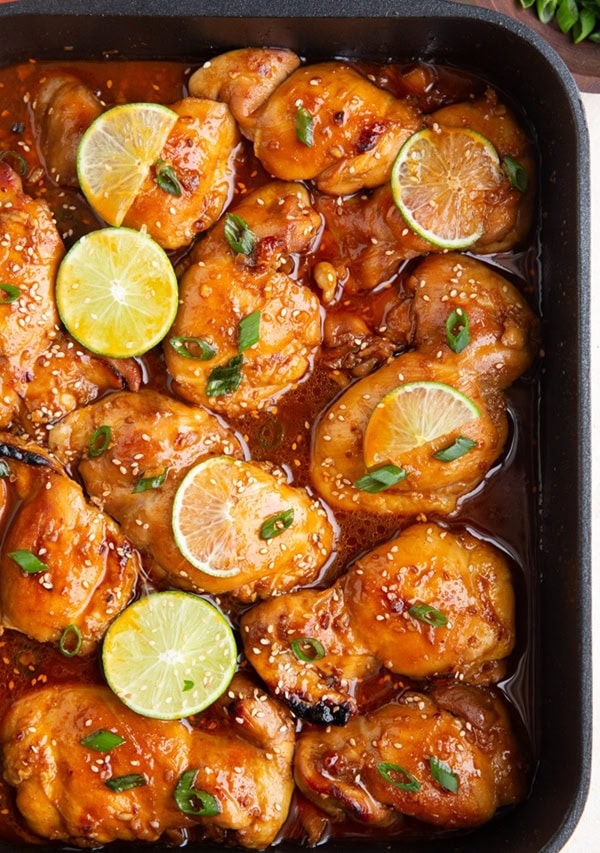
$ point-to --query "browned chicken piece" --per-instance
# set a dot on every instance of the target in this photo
(66, 570)
(504, 337)
(367, 238)
(243, 79)
(152, 435)
(449, 757)
(30, 252)
(242, 759)
(192, 181)
(63, 109)
(330, 124)
(222, 288)
(430, 602)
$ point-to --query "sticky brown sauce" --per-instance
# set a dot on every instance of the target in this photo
(502, 510)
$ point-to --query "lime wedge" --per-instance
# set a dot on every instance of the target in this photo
(116, 292)
(411, 415)
(169, 655)
(116, 152)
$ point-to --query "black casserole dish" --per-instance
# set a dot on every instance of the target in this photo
(552, 531)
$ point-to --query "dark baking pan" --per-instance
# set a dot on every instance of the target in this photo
(523, 66)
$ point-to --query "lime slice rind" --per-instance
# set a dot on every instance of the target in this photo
(414, 414)
(162, 642)
(431, 185)
(116, 152)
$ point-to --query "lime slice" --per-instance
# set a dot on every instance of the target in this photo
(116, 292)
(116, 153)
(441, 180)
(169, 655)
(411, 415)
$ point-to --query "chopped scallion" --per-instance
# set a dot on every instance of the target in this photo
(4, 469)
(387, 768)
(443, 775)
(125, 783)
(190, 347)
(276, 524)
(458, 333)
(270, 435)
(239, 235)
(21, 162)
(429, 615)
(249, 331)
(99, 441)
(11, 292)
(70, 642)
(28, 562)
(166, 178)
(307, 649)
(515, 173)
(194, 801)
(187, 684)
(102, 740)
(144, 484)
(455, 450)
(305, 127)
(226, 378)
(381, 478)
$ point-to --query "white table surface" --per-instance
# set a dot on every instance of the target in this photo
(586, 838)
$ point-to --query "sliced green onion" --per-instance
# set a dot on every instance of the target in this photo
(12, 293)
(4, 469)
(304, 127)
(166, 178)
(443, 775)
(226, 378)
(100, 441)
(125, 783)
(381, 478)
(194, 801)
(301, 646)
(566, 15)
(144, 484)
(28, 562)
(276, 524)
(190, 347)
(429, 615)
(584, 25)
(249, 331)
(270, 435)
(102, 740)
(455, 450)
(515, 173)
(187, 684)
(386, 768)
(458, 333)
(239, 235)
(27, 659)
(546, 10)
(19, 160)
(70, 635)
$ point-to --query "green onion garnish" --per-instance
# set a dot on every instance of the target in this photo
(102, 740)
(190, 347)
(458, 334)
(304, 127)
(386, 768)
(239, 235)
(249, 331)
(307, 649)
(21, 162)
(226, 378)
(166, 178)
(125, 783)
(429, 615)
(515, 173)
(270, 435)
(70, 635)
(99, 441)
(192, 800)
(12, 293)
(455, 450)
(276, 524)
(443, 775)
(144, 484)
(4, 469)
(187, 684)
(381, 478)
(28, 562)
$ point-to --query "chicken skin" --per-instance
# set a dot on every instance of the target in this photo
(198, 155)
(63, 109)
(503, 341)
(222, 288)
(66, 570)
(151, 434)
(241, 752)
(367, 238)
(451, 757)
(430, 602)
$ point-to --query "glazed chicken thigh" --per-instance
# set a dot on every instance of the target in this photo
(430, 602)
(66, 570)
(67, 791)
(451, 756)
